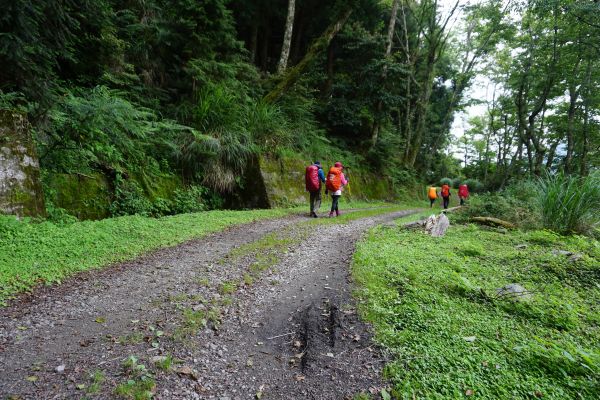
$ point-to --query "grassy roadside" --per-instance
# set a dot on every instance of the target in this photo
(33, 254)
(434, 306)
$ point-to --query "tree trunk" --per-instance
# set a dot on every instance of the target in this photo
(573, 95)
(586, 120)
(292, 74)
(388, 51)
(551, 154)
(287, 38)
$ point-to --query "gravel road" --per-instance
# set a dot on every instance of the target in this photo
(262, 310)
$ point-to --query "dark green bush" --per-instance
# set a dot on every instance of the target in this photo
(161, 207)
(189, 200)
(129, 199)
(569, 204)
(446, 181)
(474, 185)
(501, 206)
(59, 215)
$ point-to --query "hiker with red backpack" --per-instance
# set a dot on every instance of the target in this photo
(313, 178)
(334, 184)
(463, 193)
(446, 195)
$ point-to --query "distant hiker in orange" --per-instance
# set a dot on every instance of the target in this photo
(313, 178)
(432, 194)
(334, 184)
(463, 193)
(446, 195)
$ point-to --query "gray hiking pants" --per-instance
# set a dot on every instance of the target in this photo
(315, 201)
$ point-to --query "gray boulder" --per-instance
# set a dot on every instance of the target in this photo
(514, 292)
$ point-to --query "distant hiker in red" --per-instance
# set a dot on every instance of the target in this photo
(446, 195)
(313, 178)
(334, 184)
(463, 193)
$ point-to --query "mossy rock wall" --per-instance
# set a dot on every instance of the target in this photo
(20, 188)
(89, 196)
(84, 196)
(284, 182)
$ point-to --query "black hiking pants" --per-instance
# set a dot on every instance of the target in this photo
(446, 202)
(431, 201)
(334, 203)
(315, 201)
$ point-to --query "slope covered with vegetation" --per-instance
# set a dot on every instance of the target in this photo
(437, 306)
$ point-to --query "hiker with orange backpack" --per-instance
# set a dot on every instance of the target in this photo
(313, 178)
(446, 195)
(463, 193)
(432, 194)
(334, 184)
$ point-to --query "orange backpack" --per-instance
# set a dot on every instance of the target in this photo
(334, 179)
(445, 191)
(432, 193)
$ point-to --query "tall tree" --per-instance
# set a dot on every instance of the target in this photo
(287, 38)
(388, 52)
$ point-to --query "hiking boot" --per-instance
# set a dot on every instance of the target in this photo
(337, 213)
(330, 214)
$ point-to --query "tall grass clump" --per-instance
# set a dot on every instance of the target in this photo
(569, 204)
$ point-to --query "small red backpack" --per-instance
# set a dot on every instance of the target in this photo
(445, 191)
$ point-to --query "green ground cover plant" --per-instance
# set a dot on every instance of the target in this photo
(435, 308)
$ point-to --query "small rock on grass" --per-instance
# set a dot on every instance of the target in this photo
(513, 291)
(561, 252)
(575, 257)
(60, 369)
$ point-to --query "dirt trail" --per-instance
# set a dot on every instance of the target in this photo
(258, 311)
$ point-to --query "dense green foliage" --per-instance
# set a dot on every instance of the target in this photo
(434, 306)
(140, 90)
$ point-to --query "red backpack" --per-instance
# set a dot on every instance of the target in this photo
(334, 179)
(312, 178)
(445, 191)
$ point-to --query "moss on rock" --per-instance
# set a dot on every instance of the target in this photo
(84, 196)
(20, 188)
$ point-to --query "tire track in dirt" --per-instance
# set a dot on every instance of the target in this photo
(289, 332)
